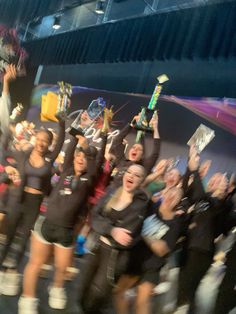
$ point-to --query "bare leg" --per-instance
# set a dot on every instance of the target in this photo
(39, 254)
(143, 300)
(62, 258)
(121, 303)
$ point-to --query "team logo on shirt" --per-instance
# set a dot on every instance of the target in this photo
(154, 228)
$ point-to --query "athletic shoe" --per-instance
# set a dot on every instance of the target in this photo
(57, 298)
(27, 305)
(183, 309)
(10, 284)
(1, 280)
(1, 276)
(163, 287)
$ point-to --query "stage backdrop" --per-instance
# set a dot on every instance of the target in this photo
(178, 119)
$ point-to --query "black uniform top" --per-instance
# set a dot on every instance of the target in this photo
(68, 198)
(123, 163)
(130, 218)
(203, 221)
(22, 159)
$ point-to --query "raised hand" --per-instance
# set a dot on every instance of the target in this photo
(135, 119)
(193, 163)
(161, 166)
(154, 121)
(10, 73)
(82, 140)
(121, 236)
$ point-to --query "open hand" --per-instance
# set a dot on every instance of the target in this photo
(121, 235)
(10, 73)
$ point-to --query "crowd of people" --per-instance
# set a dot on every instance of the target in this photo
(140, 214)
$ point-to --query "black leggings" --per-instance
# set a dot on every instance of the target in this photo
(20, 221)
(97, 282)
(191, 273)
(226, 298)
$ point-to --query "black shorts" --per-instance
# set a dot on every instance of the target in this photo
(152, 276)
(50, 233)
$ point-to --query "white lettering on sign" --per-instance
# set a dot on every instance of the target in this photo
(92, 133)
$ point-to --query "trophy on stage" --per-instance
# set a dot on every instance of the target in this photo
(142, 124)
(87, 118)
(65, 92)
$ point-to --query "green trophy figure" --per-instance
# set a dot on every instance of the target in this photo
(142, 125)
(157, 91)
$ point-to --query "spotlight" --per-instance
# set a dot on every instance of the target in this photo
(56, 24)
(100, 7)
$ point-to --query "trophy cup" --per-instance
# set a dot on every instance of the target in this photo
(16, 112)
(95, 109)
(107, 118)
(65, 92)
(142, 124)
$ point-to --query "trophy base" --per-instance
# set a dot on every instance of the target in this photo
(75, 132)
(143, 128)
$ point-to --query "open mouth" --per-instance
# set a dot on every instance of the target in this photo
(129, 183)
(81, 164)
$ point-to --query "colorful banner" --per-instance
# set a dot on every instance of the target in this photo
(220, 111)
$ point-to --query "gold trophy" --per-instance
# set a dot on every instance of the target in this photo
(65, 92)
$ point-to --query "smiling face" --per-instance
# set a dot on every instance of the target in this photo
(133, 178)
(172, 177)
(136, 152)
(80, 162)
(42, 142)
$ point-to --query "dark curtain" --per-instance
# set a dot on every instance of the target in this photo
(203, 32)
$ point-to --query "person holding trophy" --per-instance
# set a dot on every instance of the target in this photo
(35, 169)
(136, 152)
(66, 205)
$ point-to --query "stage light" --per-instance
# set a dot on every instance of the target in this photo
(100, 7)
(56, 24)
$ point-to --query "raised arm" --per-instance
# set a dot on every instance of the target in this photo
(151, 160)
(117, 144)
(158, 171)
(69, 153)
(60, 140)
(5, 104)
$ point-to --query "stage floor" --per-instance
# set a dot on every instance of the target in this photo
(206, 295)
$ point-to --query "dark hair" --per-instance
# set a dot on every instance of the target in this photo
(49, 134)
(90, 151)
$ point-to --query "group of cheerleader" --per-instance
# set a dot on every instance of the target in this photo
(142, 214)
